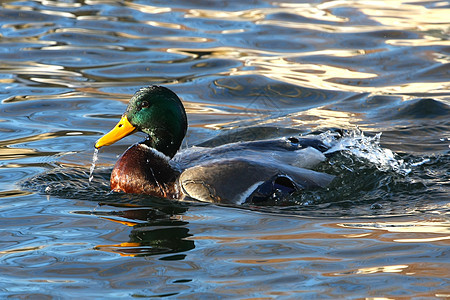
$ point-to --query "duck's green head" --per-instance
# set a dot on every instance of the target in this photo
(156, 111)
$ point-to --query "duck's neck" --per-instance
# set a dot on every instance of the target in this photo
(143, 170)
(167, 145)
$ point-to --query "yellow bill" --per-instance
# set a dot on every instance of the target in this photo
(121, 130)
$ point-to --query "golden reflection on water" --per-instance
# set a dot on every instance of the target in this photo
(382, 269)
(276, 65)
(413, 16)
(280, 67)
(410, 231)
(33, 68)
(246, 15)
(412, 269)
(165, 25)
(7, 153)
(323, 117)
(23, 249)
(145, 8)
(205, 115)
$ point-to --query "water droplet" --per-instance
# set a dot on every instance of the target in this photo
(376, 206)
(94, 161)
(368, 148)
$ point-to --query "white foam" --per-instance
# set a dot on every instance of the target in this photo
(368, 148)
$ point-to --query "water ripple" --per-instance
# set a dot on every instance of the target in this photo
(244, 70)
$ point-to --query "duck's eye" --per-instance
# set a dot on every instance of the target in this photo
(144, 104)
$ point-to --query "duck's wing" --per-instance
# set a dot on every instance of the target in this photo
(235, 181)
(301, 152)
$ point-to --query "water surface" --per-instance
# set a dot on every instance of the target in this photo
(245, 71)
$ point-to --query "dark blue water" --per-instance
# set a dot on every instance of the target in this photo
(245, 71)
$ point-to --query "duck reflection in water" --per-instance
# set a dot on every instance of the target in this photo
(154, 231)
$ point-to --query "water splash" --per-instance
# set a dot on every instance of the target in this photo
(367, 148)
(94, 161)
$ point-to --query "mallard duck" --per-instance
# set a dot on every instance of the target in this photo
(234, 173)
